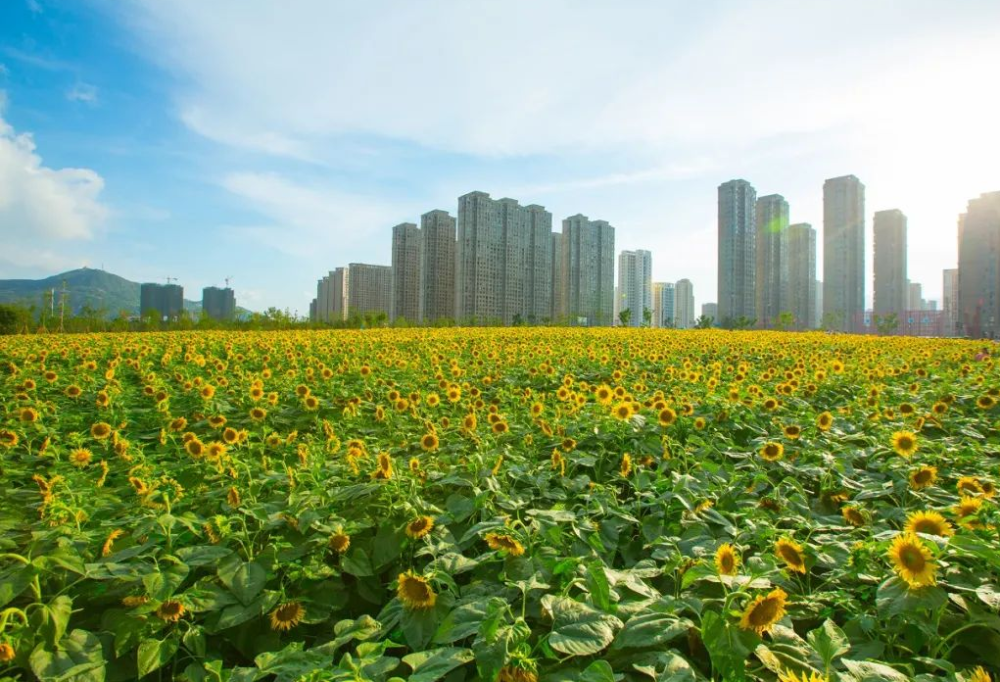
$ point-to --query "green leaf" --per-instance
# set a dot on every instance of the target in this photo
(79, 658)
(578, 629)
(829, 641)
(429, 666)
(895, 597)
(651, 629)
(161, 585)
(987, 593)
(726, 645)
(419, 626)
(387, 546)
(244, 580)
(52, 619)
(463, 621)
(597, 583)
(13, 581)
(866, 671)
(154, 654)
(357, 563)
(598, 671)
(202, 555)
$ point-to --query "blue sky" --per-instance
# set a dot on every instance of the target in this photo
(272, 142)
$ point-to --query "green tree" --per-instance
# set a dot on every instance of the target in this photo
(886, 324)
(786, 321)
(647, 317)
(704, 322)
(14, 319)
(625, 317)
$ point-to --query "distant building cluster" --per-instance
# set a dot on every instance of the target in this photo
(166, 302)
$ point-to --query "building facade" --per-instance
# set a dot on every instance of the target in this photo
(437, 266)
(801, 297)
(332, 296)
(370, 290)
(889, 228)
(771, 290)
(915, 296)
(684, 304)
(711, 311)
(635, 284)
(407, 247)
(663, 305)
(979, 268)
(737, 258)
(587, 285)
(540, 264)
(844, 253)
(949, 299)
(218, 304)
(165, 299)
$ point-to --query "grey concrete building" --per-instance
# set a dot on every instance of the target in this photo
(437, 269)
(370, 290)
(165, 299)
(979, 268)
(684, 304)
(801, 299)
(663, 305)
(711, 311)
(844, 253)
(587, 285)
(539, 264)
(949, 299)
(332, 296)
(737, 259)
(635, 284)
(218, 303)
(889, 230)
(407, 246)
(771, 248)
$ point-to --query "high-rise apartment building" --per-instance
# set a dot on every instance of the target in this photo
(949, 300)
(684, 304)
(167, 300)
(914, 296)
(889, 228)
(737, 259)
(332, 296)
(218, 304)
(497, 270)
(711, 311)
(437, 269)
(818, 315)
(844, 253)
(540, 264)
(370, 290)
(801, 298)
(635, 284)
(663, 305)
(979, 268)
(587, 285)
(407, 245)
(771, 217)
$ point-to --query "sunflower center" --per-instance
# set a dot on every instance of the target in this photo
(912, 558)
(416, 591)
(764, 613)
(790, 555)
(287, 612)
(927, 526)
(905, 443)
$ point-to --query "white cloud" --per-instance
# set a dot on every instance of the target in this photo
(41, 208)
(82, 92)
(34, 6)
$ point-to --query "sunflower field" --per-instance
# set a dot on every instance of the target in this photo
(498, 504)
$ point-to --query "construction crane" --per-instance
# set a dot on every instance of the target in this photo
(171, 279)
(228, 280)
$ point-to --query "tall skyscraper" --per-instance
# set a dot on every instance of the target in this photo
(635, 284)
(979, 267)
(167, 300)
(437, 269)
(844, 253)
(949, 300)
(540, 262)
(663, 305)
(587, 295)
(406, 273)
(218, 304)
(771, 217)
(915, 296)
(802, 275)
(737, 259)
(684, 304)
(889, 228)
(332, 296)
(370, 290)
(711, 311)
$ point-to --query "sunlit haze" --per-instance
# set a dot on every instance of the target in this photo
(272, 141)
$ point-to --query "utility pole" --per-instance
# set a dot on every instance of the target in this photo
(62, 306)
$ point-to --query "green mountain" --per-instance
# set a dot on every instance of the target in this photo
(84, 287)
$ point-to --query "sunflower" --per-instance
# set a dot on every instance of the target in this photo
(667, 416)
(853, 516)
(170, 611)
(230, 435)
(978, 674)
(100, 430)
(415, 592)
(906, 409)
(258, 414)
(764, 611)
(792, 431)
(604, 394)
(985, 402)
(699, 423)
(340, 542)
(419, 527)
(217, 421)
(7, 653)
(904, 443)
(109, 543)
(791, 553)
(912, 560)
(939, 408)
(923, 477)
(504, 543)
(772, 451)
(29, 414)
(178, 424)
(500, 427)
(625, 467)
(727, 561)
(287, 616)
(967, 506)
(429, 442)
(929, 523)
(824, 421)
(969, 485)
(216, 450)
(194, 447)
(515, 673)
(622, 411)
(80, 458)
(8, 438)
(789, 676)
(233, 497)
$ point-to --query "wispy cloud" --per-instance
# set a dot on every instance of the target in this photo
(35, 6)
(82, 92)
(38, 61)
